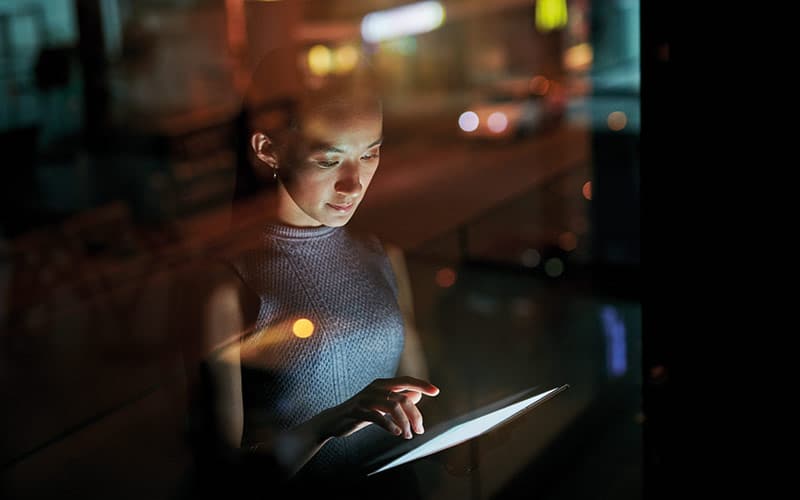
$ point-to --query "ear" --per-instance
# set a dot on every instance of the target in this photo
(262, 145)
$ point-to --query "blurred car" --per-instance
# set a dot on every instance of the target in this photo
(513, 109)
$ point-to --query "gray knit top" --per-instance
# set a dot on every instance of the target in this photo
(345, 287)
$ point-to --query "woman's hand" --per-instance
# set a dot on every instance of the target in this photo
(390, 403)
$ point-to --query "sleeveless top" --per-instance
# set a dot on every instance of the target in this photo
(328, 325)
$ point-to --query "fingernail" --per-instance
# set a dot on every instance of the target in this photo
(397, 431)
(408, 435)
(421, 429)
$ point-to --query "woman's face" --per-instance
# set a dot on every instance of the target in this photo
(332, 163)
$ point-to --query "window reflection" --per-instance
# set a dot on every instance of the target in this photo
(223, 220)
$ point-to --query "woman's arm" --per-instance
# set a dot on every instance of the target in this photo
(224, 320)
(412, 360)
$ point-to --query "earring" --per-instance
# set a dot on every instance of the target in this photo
(271, 162)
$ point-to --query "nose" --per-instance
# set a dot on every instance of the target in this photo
(349, 181)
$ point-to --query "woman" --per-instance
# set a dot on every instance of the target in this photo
(307, 335)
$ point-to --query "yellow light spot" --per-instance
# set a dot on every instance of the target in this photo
(445, 277)
(578, 57)
(617, 120)
(587, 190)
(320, 60)
(346, 58)
(568, 241)
(303, 328)
(551, 14)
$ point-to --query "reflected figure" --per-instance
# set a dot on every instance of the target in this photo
(313, 359)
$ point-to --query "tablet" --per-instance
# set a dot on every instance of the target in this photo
(462, 429)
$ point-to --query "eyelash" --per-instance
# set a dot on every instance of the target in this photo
(333, 163)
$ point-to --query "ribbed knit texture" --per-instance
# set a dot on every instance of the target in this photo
(345, 286)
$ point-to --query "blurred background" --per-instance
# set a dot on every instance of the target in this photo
(509, 175)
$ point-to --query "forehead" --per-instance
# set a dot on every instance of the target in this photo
(342, 122)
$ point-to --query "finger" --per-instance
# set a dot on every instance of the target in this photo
(412, 384)
(411, 411)
(379, 419)
(413, 396)
(395, 411)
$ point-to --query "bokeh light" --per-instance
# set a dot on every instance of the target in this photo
(303, 328)
(497, 122)
(345, 58)
(551, 14)
(468, 121)
(587, 190)
(445, 277)
(617, 120)
(578, 57)
(410, 19)
(554, 267)
(539, 85)
(320, 61)
(568, 241)
(531, 257)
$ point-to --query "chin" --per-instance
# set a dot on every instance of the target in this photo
(337, 222)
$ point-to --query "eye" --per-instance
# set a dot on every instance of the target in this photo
(327, 163)
(370, 156)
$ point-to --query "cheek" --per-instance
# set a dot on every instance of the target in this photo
(368, 174)
(311, 185)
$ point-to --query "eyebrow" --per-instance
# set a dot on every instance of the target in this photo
(329, 148)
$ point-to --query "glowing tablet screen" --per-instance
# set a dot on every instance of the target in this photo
(464, 432)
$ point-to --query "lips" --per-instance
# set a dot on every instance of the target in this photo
(343, 208)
